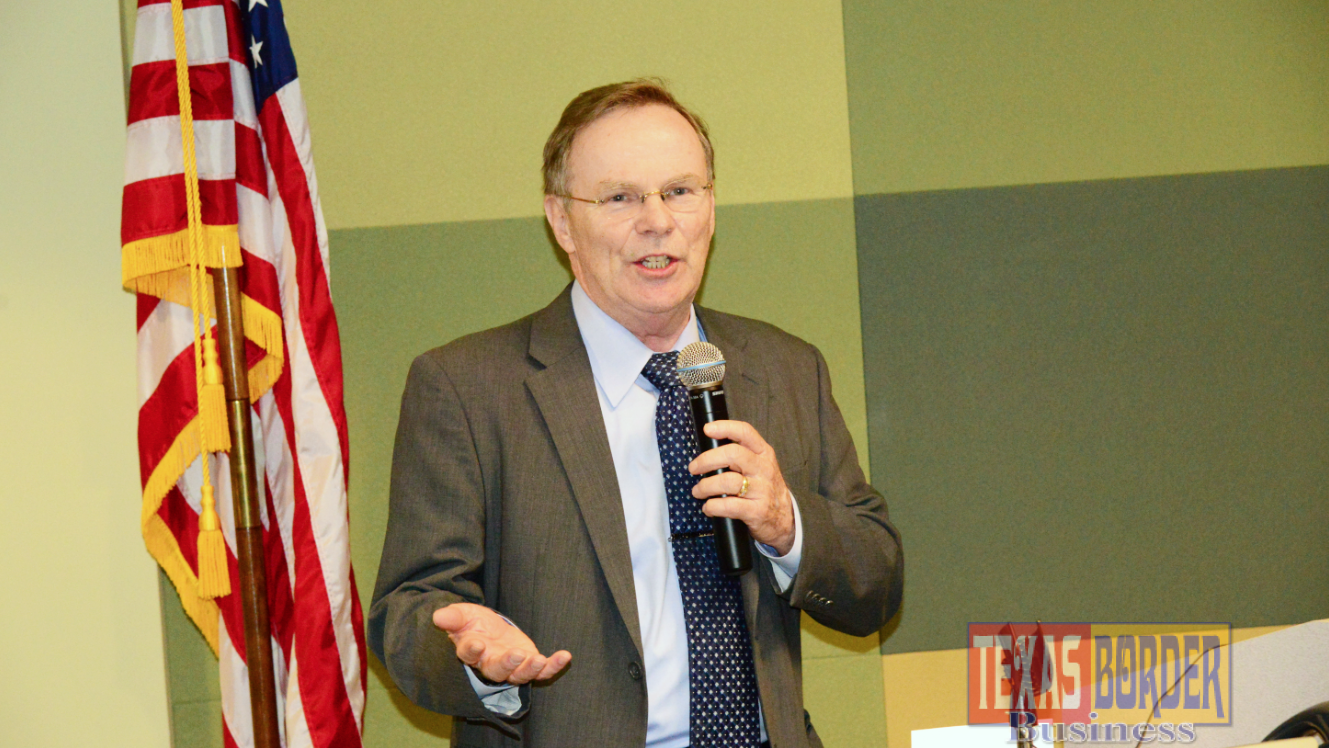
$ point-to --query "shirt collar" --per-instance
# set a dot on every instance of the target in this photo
(617, 356)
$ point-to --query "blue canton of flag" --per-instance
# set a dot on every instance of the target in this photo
(271, 61)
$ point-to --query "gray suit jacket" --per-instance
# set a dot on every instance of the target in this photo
(504, 493)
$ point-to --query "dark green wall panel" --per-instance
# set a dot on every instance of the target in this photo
(400, 291)
(1104, 400)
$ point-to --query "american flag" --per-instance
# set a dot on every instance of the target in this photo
(258, 191)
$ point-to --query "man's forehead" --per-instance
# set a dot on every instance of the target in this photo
(653, 137)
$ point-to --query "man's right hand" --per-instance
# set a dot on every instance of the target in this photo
(496, 648)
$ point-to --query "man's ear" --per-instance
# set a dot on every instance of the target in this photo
(556, 212)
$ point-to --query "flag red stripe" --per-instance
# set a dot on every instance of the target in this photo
(153, 92)
(260, 281)
(153, 207)
(156, 207)
(235, 32)
(281, 602)
(182, 521)
(249, 169)
(318, 321)
(146, 305)
(172, 405)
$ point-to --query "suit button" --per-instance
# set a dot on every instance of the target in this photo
(634, 670)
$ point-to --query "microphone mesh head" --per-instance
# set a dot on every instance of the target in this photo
(700, 365)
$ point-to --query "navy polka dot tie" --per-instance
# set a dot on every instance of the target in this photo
(721, 677)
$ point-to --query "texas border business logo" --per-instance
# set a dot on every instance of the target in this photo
(1081, 682)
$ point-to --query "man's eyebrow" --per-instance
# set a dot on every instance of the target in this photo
(615, 185)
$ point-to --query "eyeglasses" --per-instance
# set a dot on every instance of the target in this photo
(685, 196)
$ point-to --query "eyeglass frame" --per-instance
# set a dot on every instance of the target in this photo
(661, 192)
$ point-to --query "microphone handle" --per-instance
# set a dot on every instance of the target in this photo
(732, 541)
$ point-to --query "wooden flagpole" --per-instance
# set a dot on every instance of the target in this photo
(235, 382)
(248, 520)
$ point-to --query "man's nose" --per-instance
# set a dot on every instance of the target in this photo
(654, 215)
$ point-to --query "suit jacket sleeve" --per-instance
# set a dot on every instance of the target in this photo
(434, 551)
(851, 576)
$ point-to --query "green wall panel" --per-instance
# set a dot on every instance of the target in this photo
(945, 94)
(431, 112)
(795, 265)
(1102, 401)
(191, 675)
(399, 292)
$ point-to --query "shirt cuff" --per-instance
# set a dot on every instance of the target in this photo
(786, 566)
(500, 698)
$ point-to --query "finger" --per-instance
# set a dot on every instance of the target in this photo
(470, 649)
(731, 456)
(500, 666)
(744, 510)
(741, 432)
(452, 618)
(528, 669)
(555, 664)
(725, 484)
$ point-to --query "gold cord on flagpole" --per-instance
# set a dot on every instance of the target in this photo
(214, 580)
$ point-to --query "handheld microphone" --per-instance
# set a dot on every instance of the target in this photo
(701, 369)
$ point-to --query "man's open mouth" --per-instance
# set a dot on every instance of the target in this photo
(656, 262)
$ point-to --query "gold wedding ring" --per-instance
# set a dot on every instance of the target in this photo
(743, 492)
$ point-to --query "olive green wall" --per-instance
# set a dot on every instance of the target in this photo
(437, 112)
(945, 94)
(79, 612)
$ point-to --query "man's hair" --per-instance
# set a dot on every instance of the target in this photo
(591, 105)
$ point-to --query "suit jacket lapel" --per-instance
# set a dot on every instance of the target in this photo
(747, 400)
(564, 391)
(745, 395)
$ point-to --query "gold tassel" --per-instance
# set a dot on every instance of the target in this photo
(212, 402)
(213, 578)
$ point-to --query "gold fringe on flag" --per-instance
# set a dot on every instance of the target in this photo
(161, 541)
(159, 266)
(155, 265)
(264, 327)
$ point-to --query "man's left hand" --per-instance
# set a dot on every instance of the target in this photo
(765, 507)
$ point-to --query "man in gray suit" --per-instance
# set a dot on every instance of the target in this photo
(532, 502)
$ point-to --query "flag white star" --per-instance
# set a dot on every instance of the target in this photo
(254, 48)
(252, 3)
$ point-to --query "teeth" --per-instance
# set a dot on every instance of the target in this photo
(656, 262)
